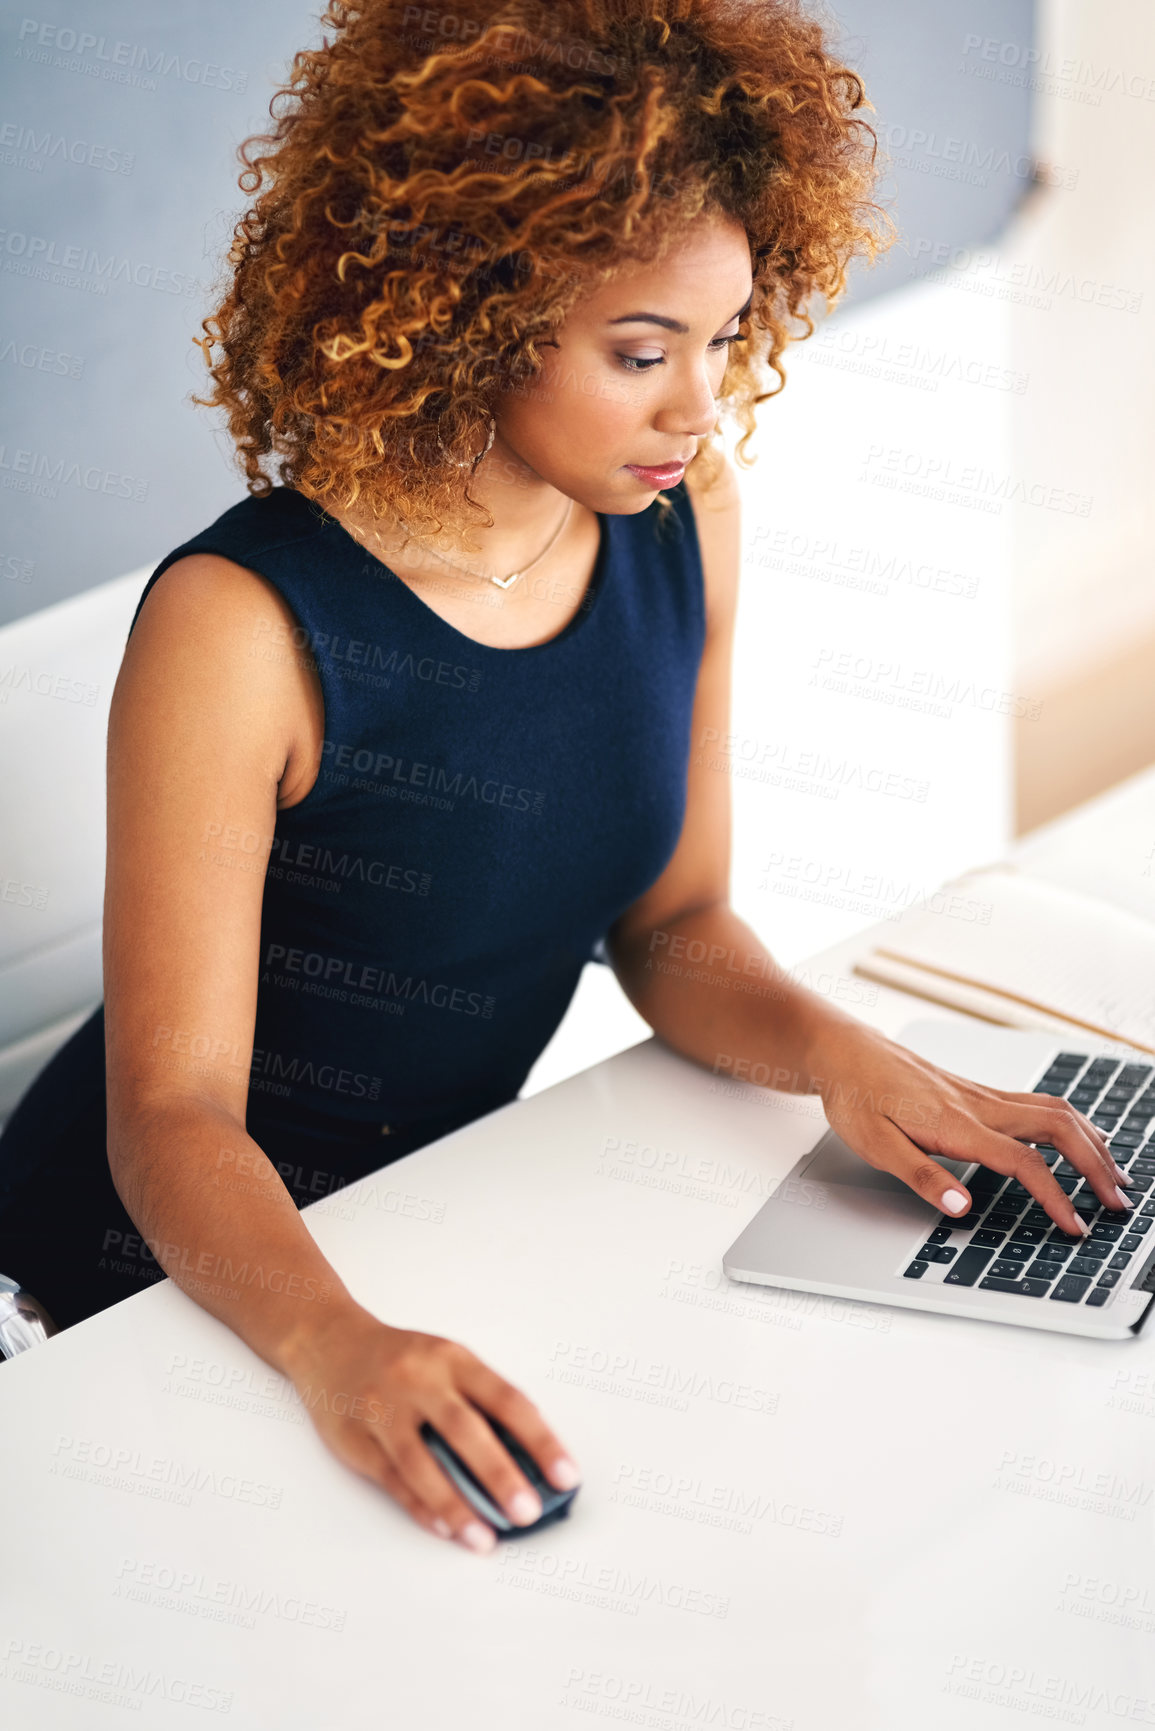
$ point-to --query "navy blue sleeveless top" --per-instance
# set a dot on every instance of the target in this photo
(480, 818)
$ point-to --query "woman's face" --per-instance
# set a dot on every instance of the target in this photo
(618, 390)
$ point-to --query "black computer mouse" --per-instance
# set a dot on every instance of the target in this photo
(555, 1504)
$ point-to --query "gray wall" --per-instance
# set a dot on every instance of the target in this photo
(118, 131)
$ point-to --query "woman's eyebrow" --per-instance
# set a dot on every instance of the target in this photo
(672, 324)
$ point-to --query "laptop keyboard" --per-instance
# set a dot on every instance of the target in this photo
(1009, 1243)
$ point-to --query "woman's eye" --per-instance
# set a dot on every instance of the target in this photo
(633, 364)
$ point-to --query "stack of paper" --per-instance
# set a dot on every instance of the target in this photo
(1014, 949)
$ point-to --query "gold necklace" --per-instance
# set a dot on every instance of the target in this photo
(502, 582)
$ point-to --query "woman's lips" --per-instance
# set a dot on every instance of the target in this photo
(666, 477)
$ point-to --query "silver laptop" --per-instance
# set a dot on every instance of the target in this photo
(836, 1225)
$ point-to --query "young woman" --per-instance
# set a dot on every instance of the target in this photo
(401, 742)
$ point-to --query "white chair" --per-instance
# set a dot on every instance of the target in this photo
(57, 671)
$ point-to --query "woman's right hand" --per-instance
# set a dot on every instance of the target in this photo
(368, 1387)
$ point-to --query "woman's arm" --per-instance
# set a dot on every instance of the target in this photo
(203, 734)
(705, 983)
(208, 735)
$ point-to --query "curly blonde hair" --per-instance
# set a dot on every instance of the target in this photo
(441, 187)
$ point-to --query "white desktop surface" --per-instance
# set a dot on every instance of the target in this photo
(795, 1511)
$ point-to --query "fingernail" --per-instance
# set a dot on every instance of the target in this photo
(441, 1528)
(525, 1507)
(478, 1537)
(1124, 1200)
(954, 1202)
(1120, 1174)
(564, 1474)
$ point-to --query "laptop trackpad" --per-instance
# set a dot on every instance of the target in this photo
(834, 1163)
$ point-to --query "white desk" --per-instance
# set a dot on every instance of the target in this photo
(795, 1511)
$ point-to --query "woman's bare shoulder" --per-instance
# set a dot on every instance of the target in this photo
(226, 635)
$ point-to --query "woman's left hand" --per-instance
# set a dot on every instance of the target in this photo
(896, 1110)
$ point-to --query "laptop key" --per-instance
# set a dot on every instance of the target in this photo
(1029, 1234)
(1083, 1265)
(1004, 1270)
(1138, 1223)
(1097, 1296)
(915, 1271)
(963, 1223)
(1029, 1288)
(1122, 1259)
(1071, 1288)
(935, 1253)
(1109, 1278)
(1017, 1252)
(969, 1266)
(1132, 1241)
(1103, 1230)
(986, 1236)
(938, 1236)
(1000, 1221)
(1052, 1252)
